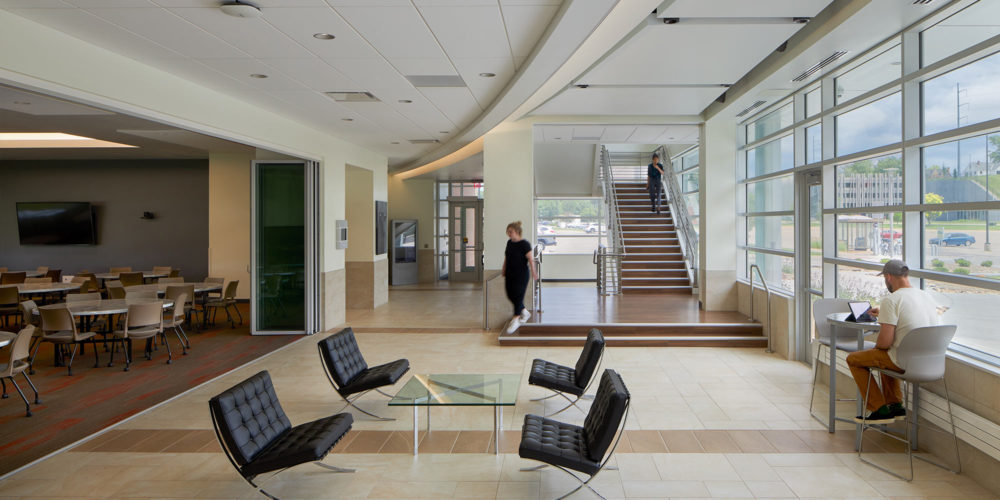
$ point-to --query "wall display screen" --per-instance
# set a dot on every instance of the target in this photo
(56, 223)
(381, 227)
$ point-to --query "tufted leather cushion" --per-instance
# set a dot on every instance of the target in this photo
(342, 357)
(555, 443)
(589, 358)
(379, 376)
(303, 443)
(249, 417)
(606, 414)
(552, 376)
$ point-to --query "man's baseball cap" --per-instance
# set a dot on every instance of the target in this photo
(895, 267)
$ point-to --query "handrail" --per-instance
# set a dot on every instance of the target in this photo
(768, 290)
(537, 287)
(682, 221)
(609, 262)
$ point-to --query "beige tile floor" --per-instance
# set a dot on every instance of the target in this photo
(672, 388)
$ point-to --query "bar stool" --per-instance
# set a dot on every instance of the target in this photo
(846, 343)
(922, 355)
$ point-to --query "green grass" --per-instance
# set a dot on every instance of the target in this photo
(961, 270)
(994, 186)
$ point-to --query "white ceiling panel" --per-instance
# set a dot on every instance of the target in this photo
(300, 24)
(633, 101)
(580, 132)
(468, 31)
(365, 3)
(485, 89)
(457, 103)
(241, 69)
(423, 66)
(263, 4)
(525, 25)
(169, 30)
(376, 76)
(732, 49)
(743, 8)
(315, 102)
(388, 119)
(313, 73)
(253, 36)
(678, 134)
(34, 4)
(530, 2)
(617, 133)
(422, 112)
(91, 4)
(192, 70)
(86, 26)
(646, 134)
(393, 31)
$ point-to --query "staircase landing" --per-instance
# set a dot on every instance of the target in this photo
(666, 319)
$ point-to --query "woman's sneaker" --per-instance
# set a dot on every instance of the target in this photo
(525, 315)
(514, 324)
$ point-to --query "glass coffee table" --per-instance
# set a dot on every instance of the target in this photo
(496, 390)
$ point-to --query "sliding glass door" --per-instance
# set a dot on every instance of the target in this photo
(284, 295)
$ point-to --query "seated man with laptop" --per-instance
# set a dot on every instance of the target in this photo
(904, 309)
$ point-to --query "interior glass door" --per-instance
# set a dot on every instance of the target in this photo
(810, 256)
(465, 243)
(283, 251)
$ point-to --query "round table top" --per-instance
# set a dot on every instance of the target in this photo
(6, 338)
(103, 306)
(840, 319)
(145, 275)
(33, 288)
(161, 288)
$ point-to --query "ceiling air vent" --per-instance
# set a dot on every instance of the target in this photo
(352, 96)
(820, 65)
(751, 108)
(436, 81)
(922, 2)
(424, 141)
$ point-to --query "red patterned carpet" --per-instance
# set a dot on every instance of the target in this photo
(94, 398)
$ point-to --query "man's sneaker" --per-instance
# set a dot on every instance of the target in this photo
(525, 315)
(883, 415)
(514, 323)
(898, 411)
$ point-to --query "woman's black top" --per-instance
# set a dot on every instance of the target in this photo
(517, 263)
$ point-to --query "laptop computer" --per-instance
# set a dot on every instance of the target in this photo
(859, 312)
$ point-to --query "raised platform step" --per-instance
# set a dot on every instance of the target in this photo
(748, 329)
(636, 341)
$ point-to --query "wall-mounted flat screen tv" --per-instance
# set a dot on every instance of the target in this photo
(56, 223)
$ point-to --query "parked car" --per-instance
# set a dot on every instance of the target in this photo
(954, 239)
(546, 242)
(546, 230)
(592, 228)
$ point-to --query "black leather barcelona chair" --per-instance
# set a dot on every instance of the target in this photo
(258, 438)
(349, 373)
(570, 380)
(584, 449)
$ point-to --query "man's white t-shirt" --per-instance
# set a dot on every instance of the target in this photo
(906, 308)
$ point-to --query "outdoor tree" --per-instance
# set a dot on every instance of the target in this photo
(932, 199)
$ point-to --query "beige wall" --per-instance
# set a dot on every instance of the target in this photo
(717, 231)
(360, 212)
(781, 323)
(508, 177)
(229, 218)
(414, 199)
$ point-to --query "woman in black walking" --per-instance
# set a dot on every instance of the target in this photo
(518, 265)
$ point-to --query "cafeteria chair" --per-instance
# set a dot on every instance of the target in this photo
(142, 322)
(17, 365)
(119, 270)
(586, 449)
(59, 328)
(217, 281)
(83, 281)
(175, 273)
(3, 269)
(174, 320)
(116, 291)
(94, 287)
(228, 300)
(30, 316)
(37, 281)
(846, 341)
(15, 278)
(55, 275)
(9, 297)
(42, 269)
(162, 270)
(130, 279)
(141, 294)
(257, 437)
(564, 380)
(173, 292)
(921, 354)
(83, 297)
(349, 374)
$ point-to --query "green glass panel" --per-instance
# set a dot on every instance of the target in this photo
(281, 252)
(459, 390)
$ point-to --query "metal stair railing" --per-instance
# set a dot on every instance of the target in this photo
(682, 221)
(536, 292)
(755, 267)
(609, 260)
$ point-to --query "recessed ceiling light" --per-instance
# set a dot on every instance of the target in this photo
(323, 36)
(443, 132)
(558, 138)
(348, 119)
(394, 142)
(240, 8)
(405, 101)
(22, 103)
(19, 140)
(487, 75)
(258, 75)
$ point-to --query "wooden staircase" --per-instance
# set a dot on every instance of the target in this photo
(653, 262)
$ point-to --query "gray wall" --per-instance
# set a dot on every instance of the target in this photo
(121, 190)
